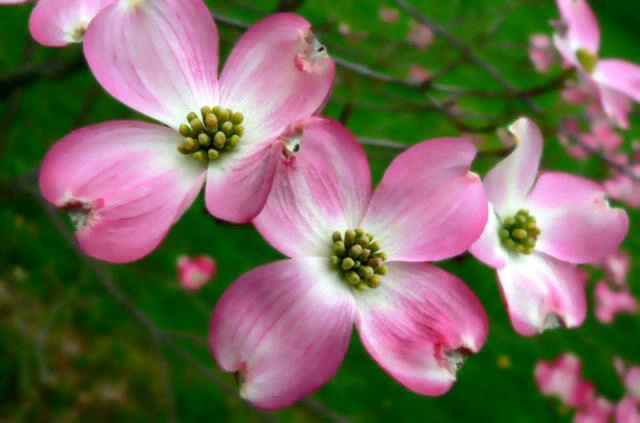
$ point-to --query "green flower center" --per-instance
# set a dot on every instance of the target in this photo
(358, 258)
(519, 233)
(216, 130)
(587, 59)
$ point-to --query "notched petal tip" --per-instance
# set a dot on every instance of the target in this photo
(552, 321)
(80, 213)
(455, 359)
(312, 56)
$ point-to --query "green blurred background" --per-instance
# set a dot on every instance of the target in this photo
(71, 351)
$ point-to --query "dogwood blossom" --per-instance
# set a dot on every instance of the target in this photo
(356, 257)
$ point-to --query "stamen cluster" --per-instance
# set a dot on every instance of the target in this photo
(358, 257)
(520, 232)
(216, 131)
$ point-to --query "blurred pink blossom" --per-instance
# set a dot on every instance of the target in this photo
(418, 73)
(195, 272)
(623, 188)
(616, 266)
(419, 35)
(611, 302)
(577, 39)
(628, 410)
(541, 52)
(598, 410)
(562, 378)
(389, 14)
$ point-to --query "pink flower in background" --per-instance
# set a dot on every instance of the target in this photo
(539, 228)
(623, 188)
(577, 38)
(632, 382)
(611, 302)
(418, 73)
(389, 14)
(56, 23)
(195, 272)
(125, 183)
(356, 257)
(419, 35)
(562, 378)
(541, 52)
(628, 411)
(616, 266)
(598, 410)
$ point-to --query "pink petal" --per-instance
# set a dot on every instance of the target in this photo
(420, 324)
(583, 30)
(283, 329)
(59, 22)
(488, 248)
(610, 303)
(598, 410)
(123, 183)
(616, 105)
(622, 188)
(195, 272)
(14, 1)
(616, 266)
(542, 293)
(277, 73)
(325, 187)
(508, 183)
(619, 75)
(238, 185)
(632, 382)
(576, 222)
(389, 14)
(628, 411)
(429, 206)
(158, 57)
(562, 378)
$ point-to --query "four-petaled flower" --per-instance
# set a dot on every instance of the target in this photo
(125, 183)
(538, 230)
(356, 256)
(577, 39)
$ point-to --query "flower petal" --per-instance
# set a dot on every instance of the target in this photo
(276, 75)
(542, 293)
(620, 75)
(284, 329)
(508, 183)
(123, 183)
(56, 23)
(576, 222)
(420, 324)
(323, 188)
(583, 30)
(158, 57)
(616, 105)
(488, 248)
(238, 186)
(428, 205)
(563, 379)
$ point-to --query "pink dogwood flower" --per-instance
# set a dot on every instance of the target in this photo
(598, 410)
(538, 229)
(125, 183)
(577, 39)
(616, 266)
(419, 35)
(623, 188)
(195, 272)
(356, 257)
(56, 23)
(541, 53)
(610, 302)
(562, 378)
(628, 411)
(389, 14)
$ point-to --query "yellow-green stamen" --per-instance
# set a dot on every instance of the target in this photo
(358, 258)
(519, 233)
(215, 131)
(587, 60)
